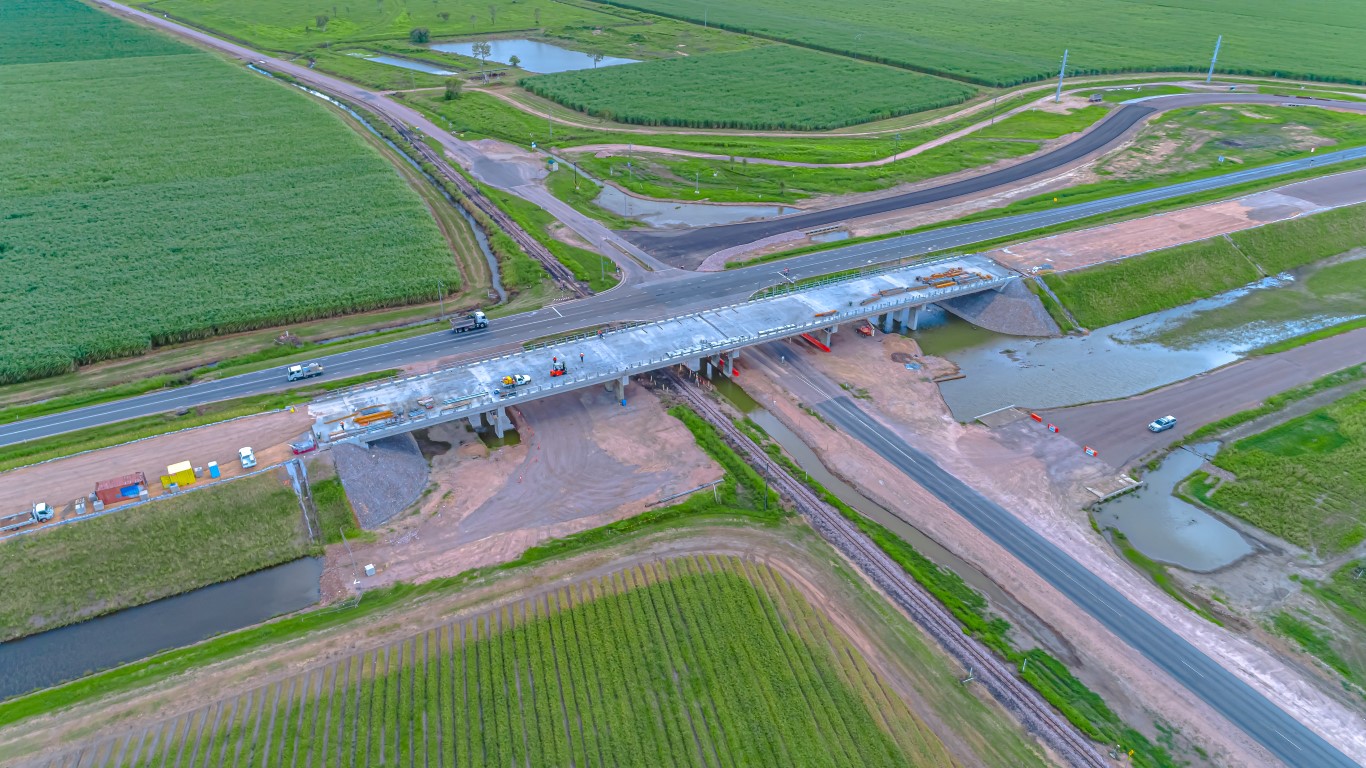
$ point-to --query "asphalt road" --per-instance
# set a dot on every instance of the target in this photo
(1281, 734)
(685, 245)
(677, 293)
(1117, 429)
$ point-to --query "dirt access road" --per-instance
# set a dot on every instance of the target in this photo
(1117, 429)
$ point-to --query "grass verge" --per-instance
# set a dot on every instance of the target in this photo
(104, 436)
(1276, 403)
(1159, 575)
(151, 551)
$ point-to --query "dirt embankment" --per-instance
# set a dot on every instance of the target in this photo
(583, 461)
(1045, 487)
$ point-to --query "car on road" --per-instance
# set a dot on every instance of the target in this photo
(1163, 424)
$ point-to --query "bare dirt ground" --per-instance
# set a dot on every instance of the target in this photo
(1085, 248)
(58, 482)
(790, 551)
(1043, 482)
(583, 461)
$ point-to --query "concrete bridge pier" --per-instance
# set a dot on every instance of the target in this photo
(904, 318)
(731, 358)
(501, 423)
(888, 320)
(476, 421)
(621, 388)
(693, 365)
(830, 334)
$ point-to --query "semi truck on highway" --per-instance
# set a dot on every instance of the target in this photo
(301, 372)
(471, 322)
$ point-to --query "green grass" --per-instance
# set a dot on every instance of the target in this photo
(123, 233)
(291, 25)
(1303, 480)
(580, 192)
(335, 515)
(148, 552)
(1310, 338)
(1051, 305)
(1120, 290)
(57, 446)
(1346, 590)
(1116, 95)
(1037, 124)
(1276, 403)
(1159, 575)
(1151, 282)
(688, 660)
(590, 267)
(85, 34)
(776, 87)
(723, 181)
(1008, 44)
(1317, 644)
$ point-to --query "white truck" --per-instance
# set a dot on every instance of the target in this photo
(305, 371)
(247, 457)
(470, 322)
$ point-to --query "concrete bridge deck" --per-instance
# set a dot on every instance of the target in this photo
(474, 391)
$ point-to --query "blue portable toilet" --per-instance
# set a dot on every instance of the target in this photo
(213, 470)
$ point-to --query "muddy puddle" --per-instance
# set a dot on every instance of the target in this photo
(812, 466)
(668, 213)
(59, 655)
(1134, 356)
(1168, 529)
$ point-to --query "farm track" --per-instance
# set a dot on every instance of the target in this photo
(1014, 694)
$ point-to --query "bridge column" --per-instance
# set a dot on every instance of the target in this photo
(830, 334)
(501, 423)
(888, 321)
(476, 421)
(915, 318)
(732, 357)
(904, 319)
(707, 360)
(693, 365)
(621, 388)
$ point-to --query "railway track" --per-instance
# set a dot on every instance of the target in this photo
(1008, 689)
(562, 275)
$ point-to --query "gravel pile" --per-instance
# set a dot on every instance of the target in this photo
(1014, 310)
(381, 481)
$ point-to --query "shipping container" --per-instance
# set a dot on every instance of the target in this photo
(117, 489)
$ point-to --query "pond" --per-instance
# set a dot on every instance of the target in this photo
(667, 213)
(1168, 529)
(1116, 361)
(533, 55)
(59, 655)
(416, 66)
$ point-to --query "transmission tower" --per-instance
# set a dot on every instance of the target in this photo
(1062, 72)
(1214, 58)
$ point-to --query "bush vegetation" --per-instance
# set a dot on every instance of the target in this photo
(1007, 44)
(151, 551)
(196, 200)
(1303, 480)
(776, 87)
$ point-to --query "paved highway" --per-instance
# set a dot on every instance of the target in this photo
(689, 245)
(1281, 734)
(677, 292)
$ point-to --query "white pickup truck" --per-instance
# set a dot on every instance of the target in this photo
(301, 372)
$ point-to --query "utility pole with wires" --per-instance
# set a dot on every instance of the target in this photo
(1062, 72)
(1218, 42)
(355, 579)
(441, 295)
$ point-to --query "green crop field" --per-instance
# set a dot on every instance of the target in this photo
(707, 661)
(1303, 480)
(192, 198)
(151, 551)
(996, 43)
(776, 87)
(293, 24)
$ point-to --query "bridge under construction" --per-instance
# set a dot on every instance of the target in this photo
(709, 340)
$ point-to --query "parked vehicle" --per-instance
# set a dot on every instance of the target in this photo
(471, 322)
(516, 380)
(1163, 424)
(301, 372)
(247, 458)
(557, 368)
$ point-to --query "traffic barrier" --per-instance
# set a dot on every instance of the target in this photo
(1090, 451)
(1036, 417)
(1052, 428)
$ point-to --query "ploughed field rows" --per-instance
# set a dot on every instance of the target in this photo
(995, 43)
(700, 661)
(196, 199)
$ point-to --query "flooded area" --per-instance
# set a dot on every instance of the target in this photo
(667, 213)
(1130, 357)
(1168, 529)
(53, 657)
(534, 55)
(416, 66)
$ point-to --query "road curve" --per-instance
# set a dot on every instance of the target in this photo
(677, 293)
(1284, 736)
(687, 244)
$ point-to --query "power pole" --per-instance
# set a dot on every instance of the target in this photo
(1214, 58)
(1062, 71)
(441, 296)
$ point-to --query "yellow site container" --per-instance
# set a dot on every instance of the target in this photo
(181, 474)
